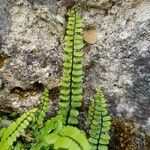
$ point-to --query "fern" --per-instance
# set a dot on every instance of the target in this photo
(43, 107)
(69, 138)
(15, 129)
(18, 147)
(71, 82)
(57, 133)
(50, 126)
(99, 122)
(54, 136)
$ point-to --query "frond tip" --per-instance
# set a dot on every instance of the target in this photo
(99, 122)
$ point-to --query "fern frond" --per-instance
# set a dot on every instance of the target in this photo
(15, 129)
(54, 136)
(49, 126)
(2, 132)
(71, 82)
(18, 146)
(43, 107)
(70, 138)
(52, 125)
(99, 122)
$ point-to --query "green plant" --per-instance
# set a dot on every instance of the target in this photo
(71, 82)
(99, 122)
(60, 132)
(68, 138)
(43, 108)
(55, 136)
(16, 128)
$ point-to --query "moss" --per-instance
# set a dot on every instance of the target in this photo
(2, 59)
(147, 137)
(122, 134)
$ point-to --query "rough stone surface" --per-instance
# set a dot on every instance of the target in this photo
(119, 63)
(33, 50)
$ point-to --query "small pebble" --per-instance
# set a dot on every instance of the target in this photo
(90, 36)
(15, 105)
(5, 123)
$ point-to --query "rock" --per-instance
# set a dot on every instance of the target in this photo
(32, 37)
(119, 61)
(5, 22)
(90, 36)
(105, 4)
(34, 53)
(62, 11)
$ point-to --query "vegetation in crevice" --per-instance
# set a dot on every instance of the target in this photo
(147, 137)
(32, 131)
(60, 132)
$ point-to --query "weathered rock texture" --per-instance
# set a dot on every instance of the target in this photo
(33, 52)
(31, 55)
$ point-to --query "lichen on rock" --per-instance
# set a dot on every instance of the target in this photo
(33, 46)
(118, 61)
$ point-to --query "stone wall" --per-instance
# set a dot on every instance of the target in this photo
(118, 61)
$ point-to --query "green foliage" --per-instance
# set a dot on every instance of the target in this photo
(2, 132)
(49, 126)
(71, 82)
(70, 138)
(15, 129)
(57, 133)
(43, 107)
(18, 147)
(99, 122)
(55, 136)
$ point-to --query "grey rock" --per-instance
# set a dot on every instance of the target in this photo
(34, 51)
(5, 123)
(119, 62)
(5, 22)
